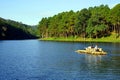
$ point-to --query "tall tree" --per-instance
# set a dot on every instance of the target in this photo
(98, 23)
(81, 22)
(43, 25)
(115, 18)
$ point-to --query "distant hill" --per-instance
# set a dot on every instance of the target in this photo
(12, 30)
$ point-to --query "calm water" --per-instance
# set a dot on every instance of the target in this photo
(42, 60)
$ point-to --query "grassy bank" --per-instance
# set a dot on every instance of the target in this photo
(111, 38)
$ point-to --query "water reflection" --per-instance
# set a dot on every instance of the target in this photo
(93, 60)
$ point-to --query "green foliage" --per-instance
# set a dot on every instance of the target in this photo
(81, 21)
(94, 22)
(115, 14)
(114, 18)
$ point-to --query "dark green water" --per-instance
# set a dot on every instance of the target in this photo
(42, 60)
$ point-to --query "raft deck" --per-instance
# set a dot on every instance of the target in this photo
(92, 52)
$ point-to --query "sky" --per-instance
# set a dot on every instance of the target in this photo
(32, 11)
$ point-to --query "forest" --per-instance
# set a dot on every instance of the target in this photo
(12, 30)
(93, 22)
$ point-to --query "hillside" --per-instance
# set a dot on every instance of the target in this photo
(12, 30)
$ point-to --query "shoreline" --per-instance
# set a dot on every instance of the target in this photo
(105, 39)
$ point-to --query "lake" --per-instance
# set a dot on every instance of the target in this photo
(46, 60)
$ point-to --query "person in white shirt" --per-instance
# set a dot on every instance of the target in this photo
(96, 47)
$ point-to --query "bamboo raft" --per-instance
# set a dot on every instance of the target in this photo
(92, 51)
